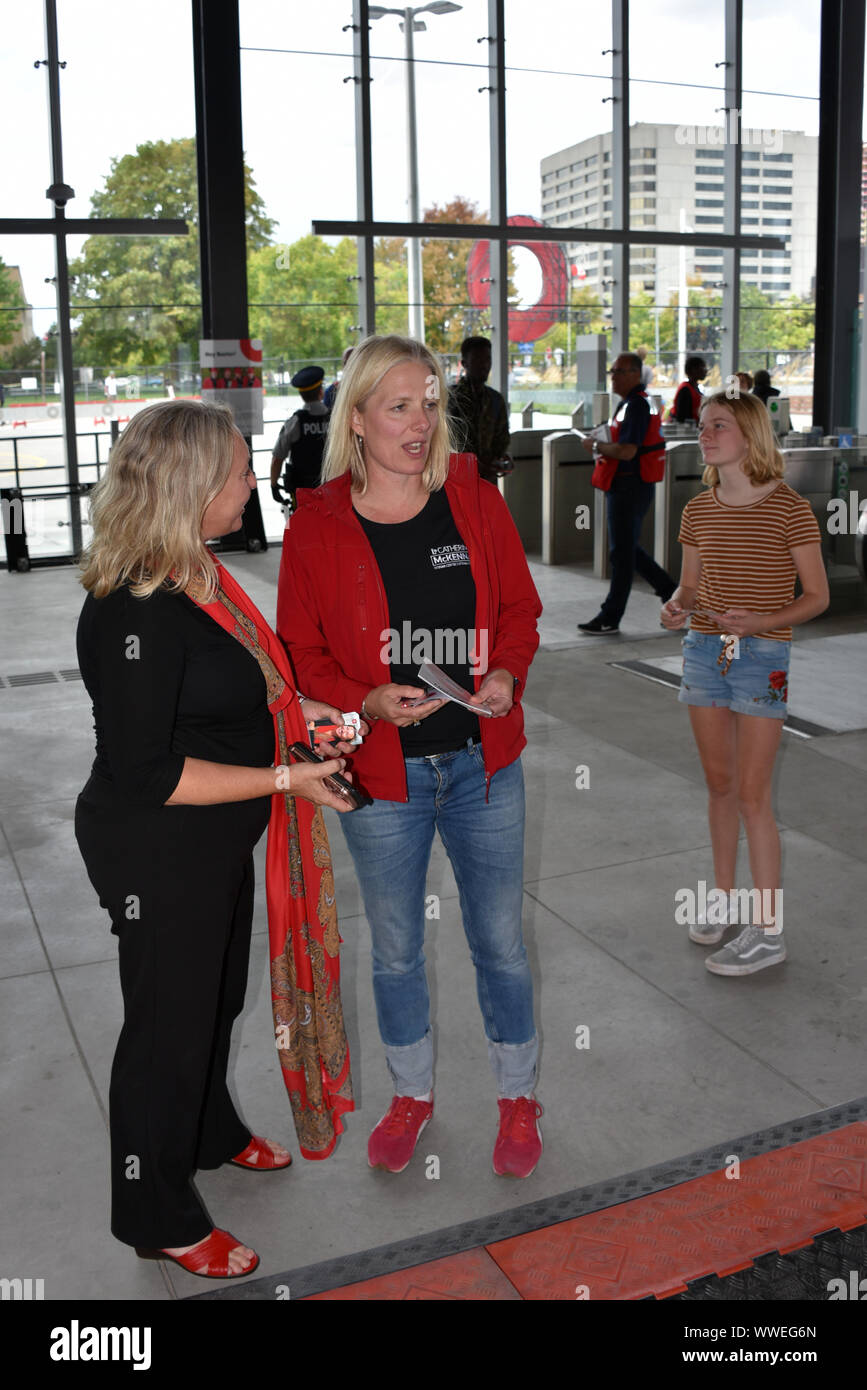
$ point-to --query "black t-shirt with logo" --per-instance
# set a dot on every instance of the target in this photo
(431, 599)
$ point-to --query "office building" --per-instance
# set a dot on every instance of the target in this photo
(674, 167)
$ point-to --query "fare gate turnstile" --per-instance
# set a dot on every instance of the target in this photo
(834, 482)
(681, 482)
(522, 488)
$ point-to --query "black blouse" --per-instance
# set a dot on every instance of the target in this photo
(168, 683)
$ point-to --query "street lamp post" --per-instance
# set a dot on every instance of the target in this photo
(409, 25)
(682, 295)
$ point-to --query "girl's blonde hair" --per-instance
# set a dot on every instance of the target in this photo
(764, 460)
(146, 511)
(366, 367)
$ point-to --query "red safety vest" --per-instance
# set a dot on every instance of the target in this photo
(651, 453)
(697, 399)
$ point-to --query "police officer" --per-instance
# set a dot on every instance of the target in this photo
(302, 438)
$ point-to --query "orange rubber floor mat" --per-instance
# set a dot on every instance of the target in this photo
(655, 1245)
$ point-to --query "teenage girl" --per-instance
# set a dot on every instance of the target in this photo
(745, 540)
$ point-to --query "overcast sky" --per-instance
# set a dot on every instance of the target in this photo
(129, 79)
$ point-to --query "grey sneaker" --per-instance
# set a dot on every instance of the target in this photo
(752, 950)
(709, 933)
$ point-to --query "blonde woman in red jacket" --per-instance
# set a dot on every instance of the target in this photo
(403, 556)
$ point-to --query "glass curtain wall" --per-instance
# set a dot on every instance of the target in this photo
(428, 95)
(130, 151)
(779, 189)
(135, 302)
(298, 116)
(558, 118)
(676, 165)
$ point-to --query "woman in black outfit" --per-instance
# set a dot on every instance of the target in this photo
(180, 792)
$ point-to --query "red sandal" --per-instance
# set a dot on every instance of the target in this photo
(213, 1250)
(259, 1156)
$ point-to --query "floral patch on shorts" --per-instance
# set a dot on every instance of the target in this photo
(778, 689)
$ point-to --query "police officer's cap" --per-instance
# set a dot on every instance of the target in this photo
(308, 378)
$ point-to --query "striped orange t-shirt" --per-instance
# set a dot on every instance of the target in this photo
(746, 559)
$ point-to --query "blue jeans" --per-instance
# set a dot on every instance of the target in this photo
(627, 504)
(390, 843)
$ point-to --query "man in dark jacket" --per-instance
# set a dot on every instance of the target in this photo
(478, 413)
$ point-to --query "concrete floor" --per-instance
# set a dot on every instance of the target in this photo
(678, 1059)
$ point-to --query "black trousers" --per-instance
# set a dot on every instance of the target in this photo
(628, 502)
(178, 883)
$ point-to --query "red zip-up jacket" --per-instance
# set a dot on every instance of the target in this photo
(333, 618)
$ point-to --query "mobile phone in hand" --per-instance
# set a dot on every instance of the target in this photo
(334, 782)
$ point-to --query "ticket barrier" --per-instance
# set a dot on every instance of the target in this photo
(522, 488)
(568, 501)
(834, 482)
(681, 481)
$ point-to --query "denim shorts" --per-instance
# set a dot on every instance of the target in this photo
(748, 675)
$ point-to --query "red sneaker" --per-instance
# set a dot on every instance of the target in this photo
(519, 1142)
(391, 1144)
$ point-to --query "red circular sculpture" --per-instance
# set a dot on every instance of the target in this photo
(525, 325)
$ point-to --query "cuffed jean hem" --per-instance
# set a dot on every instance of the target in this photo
(411, 1067)
(514, 1067)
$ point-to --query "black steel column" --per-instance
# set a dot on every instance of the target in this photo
(60, 194)
(731, 298)
(363, 168)
(220, 158)
(838, 231)
(499, 247)
(621, 180)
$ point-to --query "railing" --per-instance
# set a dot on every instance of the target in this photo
(14, 440)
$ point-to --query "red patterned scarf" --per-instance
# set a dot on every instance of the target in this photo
(302, 913)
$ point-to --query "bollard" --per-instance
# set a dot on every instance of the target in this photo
(578, 416)
(115, 431)
(527, 416)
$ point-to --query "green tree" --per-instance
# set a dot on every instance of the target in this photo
(759, 322)
(302, 298)
(585, 315)
(796, 320)
(10, 297)
(444, 271)
(392, 287)
(23, 355)
(448, 316)
(161, 273)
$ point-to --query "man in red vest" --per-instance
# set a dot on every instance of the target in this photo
(638, 450)
(687, 397)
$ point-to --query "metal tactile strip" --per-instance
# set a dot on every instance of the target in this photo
(66, 673)
(34, 678)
